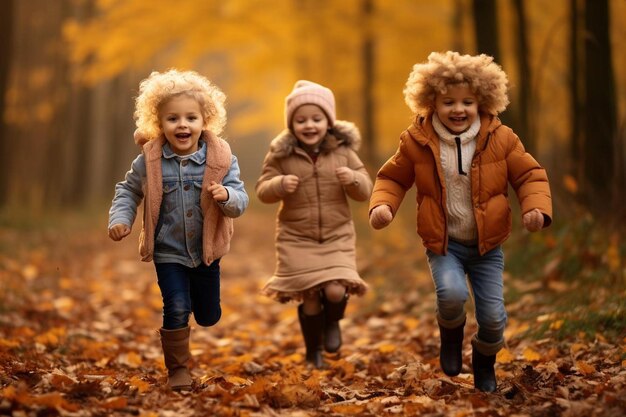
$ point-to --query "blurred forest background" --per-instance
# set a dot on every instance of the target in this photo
(70, 69)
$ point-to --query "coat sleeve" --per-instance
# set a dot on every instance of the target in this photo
(393, 180)
(128, 194)
(237, 197)
(269, 187)
(528, 179)
(361, 188)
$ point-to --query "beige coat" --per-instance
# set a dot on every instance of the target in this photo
(315, 237)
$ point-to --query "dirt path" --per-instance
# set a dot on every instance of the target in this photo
(79, 314)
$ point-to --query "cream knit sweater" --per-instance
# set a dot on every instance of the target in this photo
(461, 221)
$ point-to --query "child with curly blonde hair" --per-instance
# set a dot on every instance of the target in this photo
(189, 181)
(461, 159)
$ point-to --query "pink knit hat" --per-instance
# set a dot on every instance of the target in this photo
(307, 92)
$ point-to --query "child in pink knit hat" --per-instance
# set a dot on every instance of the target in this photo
(312, 168)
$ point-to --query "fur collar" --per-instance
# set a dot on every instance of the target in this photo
(342, 134)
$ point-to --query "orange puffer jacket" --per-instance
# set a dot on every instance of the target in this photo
(499, 159)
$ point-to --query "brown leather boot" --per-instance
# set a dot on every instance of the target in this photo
(175, 345)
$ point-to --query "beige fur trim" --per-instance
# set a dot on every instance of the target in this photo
(343, 133)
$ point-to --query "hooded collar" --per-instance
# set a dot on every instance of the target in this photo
(342, 134)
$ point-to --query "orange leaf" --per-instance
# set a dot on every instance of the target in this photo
(386, 348)
(114, 403)
(53, 400)
(556, 325)
(348, 409)
(51, 337)
(411, 323)
(130, 359)
(141, 385)
(9, 343)
(585, 368)
(504, 356)
(60, 381)
(235, 380)
(531, 355)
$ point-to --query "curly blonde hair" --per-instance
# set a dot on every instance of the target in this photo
(485, 78)
(159, 87)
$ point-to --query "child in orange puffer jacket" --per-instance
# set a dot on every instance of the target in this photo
(461, 159)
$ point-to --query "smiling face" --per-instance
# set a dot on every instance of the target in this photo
(181, 121)
(310, 125)
(457, 108)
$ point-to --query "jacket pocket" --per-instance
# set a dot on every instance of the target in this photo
(162, 233)
(197, 195)
(170, 200)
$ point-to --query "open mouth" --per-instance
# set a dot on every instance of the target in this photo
(183, 135)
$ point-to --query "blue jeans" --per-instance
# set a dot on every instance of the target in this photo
(485, 276)
(186, 290)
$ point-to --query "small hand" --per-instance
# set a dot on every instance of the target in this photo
(118, 232)
(290, 183)
(345, 175)
(217, 191)
(380, 216)
(533, 220)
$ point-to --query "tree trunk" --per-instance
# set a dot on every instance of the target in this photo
(486, 28)
(367, 129)
(577, 98)
(523, 91)
(486, 31)
(458, 40)
(7, 18)
(600, 113)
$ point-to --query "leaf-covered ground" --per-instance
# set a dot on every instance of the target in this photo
(78, 337)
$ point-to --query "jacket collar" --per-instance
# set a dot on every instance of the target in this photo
(157, 148)
(422, 131)
(199, 156)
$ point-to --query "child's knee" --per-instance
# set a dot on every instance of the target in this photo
(311, 302)
(176, 319)
(493, 324)
(453, 295)
(334, 292)
(210, 319)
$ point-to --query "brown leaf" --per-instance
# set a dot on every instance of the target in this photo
(585, 368)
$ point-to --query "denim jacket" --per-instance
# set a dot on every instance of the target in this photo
(178, 236)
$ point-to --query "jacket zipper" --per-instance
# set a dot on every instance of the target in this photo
(319, 202)
(442, 200)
